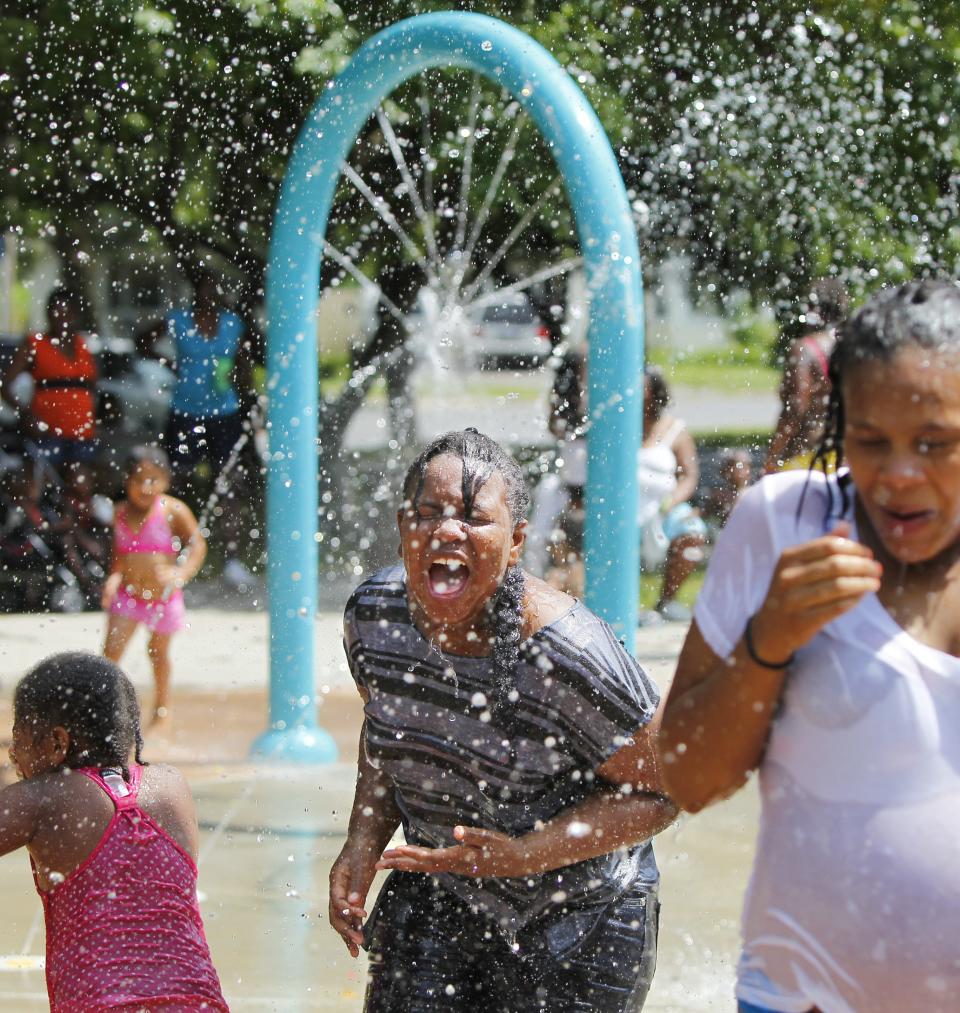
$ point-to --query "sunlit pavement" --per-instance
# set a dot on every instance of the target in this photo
(269, 834)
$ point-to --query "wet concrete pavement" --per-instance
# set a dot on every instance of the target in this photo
(269, 834)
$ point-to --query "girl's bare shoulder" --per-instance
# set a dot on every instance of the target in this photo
(173, 506)
(160, 780)
(56, 797)
(179, 516)
(166, 797)
(542, 603)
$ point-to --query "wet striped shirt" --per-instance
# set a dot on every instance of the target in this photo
(430, 727)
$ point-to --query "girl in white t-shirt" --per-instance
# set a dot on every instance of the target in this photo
(825, 651)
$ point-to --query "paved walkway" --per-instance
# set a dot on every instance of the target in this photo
(270, 833)
(512, 408)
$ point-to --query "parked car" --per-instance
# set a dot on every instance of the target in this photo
(511, 332)
(508, 332)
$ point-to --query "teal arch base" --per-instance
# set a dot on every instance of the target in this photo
(608, 241)
(298, 744)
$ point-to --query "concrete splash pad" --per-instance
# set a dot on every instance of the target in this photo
(269, 834)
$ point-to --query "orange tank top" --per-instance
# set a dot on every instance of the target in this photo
(63, 388)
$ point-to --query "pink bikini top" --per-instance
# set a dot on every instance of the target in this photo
(154, 534)
(124, 928)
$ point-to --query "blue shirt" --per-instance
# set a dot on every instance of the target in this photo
(204, 365)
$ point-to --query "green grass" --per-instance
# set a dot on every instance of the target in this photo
(650, 589)
(734, 368)
(498, 387)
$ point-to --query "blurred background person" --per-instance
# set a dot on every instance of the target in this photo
(805, 386)
(672, 533)
(59, 426)
(562, 489)
(736, 475)
(214, 382)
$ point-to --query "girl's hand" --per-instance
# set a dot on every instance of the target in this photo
(110, 588)
(479, 854)
(350, 879)
(813, 584)
(171, 576)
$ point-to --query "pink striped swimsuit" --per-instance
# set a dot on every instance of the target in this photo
(123, 929)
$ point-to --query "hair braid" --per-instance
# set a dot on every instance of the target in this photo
(132, 709)
(506, 620)
(830, 450)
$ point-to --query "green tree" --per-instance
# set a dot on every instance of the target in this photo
(770, 141)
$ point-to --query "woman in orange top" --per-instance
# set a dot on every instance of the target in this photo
(61, 424)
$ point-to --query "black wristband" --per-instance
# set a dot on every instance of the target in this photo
(752, 651)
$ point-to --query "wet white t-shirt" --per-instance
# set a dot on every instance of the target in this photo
(854, 901)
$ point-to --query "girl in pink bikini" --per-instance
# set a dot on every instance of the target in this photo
(112, 843)
(157, 549)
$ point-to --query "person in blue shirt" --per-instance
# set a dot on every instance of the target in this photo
(213, 374)
(214, 383)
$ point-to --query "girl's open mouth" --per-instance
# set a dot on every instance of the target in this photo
(907, 521)
(447, 577)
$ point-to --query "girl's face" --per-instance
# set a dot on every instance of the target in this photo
(35, 751)
(454, 561)
(902, 442)
(146, 483)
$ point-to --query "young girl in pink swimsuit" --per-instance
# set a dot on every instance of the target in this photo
(112, 843)
(157, 549)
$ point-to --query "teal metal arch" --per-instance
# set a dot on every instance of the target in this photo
(612, 264)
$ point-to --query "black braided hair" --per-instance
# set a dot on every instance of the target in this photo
(659, 391)
(506, 621)
(482, 457)
(92, 699)
(921, 314)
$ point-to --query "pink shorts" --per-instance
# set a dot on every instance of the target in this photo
(165, 615)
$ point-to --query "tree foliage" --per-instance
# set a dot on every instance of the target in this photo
(770, 141)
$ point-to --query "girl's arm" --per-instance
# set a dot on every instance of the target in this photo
(688, 468)
(113, 582)
(115, 576)
(373, 821)
(20, 809)
(796, 390)
(166, 796)
(719, 710)
(184, 525)
(708, 693)
(628, 807)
